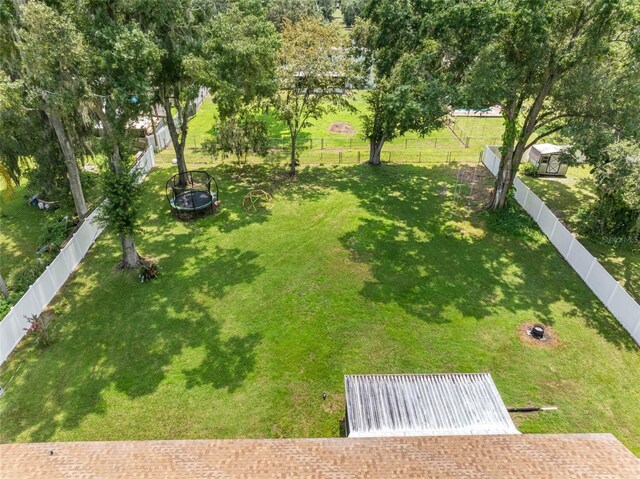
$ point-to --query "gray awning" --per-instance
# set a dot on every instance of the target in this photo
(425, 405)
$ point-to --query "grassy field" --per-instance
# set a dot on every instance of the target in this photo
(565, 196)
(20, 230)
(319, 145)
(355, 270)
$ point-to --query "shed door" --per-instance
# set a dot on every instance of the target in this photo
(553, 167)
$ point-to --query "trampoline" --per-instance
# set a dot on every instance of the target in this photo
(194, 195)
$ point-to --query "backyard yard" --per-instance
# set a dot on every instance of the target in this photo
(355, 270)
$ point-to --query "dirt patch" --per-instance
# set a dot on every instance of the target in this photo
(549, 341)
(342, 127)
(479, 182)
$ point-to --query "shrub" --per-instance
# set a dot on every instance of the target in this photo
(529, 169)
(21, 278)
(610, 222)
(54, 233)
(148, 271)
(41, 328)
(5, 305)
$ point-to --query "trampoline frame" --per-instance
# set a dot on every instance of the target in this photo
(173, 190)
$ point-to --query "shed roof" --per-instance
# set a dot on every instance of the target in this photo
(547, 148)
(425, 405)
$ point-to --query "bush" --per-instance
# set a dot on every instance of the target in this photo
(148, 271)
(41, 328)
(5, 305)
(54, 233)
(21, 278)
(529, 169)
(610, 222)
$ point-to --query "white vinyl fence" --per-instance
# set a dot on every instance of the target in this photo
(163, 135)
(623, 307)
(35, 300)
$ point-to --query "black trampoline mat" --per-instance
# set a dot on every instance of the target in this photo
(192, 200)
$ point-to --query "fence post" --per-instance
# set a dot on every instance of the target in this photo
(358, 156)
(311, 142)
(405, 143)
(435, 143)
(389, 160)
(340, 157)
(322, 143)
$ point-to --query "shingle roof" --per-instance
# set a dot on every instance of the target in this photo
(592, 456)
(424, 405)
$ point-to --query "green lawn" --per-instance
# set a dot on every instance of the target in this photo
(20, 230)
(355, 270)
(565, 196)
(318, 145)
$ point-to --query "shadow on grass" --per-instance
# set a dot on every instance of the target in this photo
(130, 350)
(409, 233)
(422, 259)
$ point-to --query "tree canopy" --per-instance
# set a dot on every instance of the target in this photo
(315, 72)
(536, 66)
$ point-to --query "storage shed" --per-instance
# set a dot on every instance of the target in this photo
(548, 159)
(424, 405)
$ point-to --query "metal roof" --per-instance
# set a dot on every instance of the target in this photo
(425, 405)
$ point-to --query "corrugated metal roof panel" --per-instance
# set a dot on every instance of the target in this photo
(425, 405)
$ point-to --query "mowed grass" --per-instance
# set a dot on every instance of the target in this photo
(20, 230)
(565, 196)
(355, 270)
(317, 144)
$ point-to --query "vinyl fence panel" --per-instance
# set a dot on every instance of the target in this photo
(623, 307)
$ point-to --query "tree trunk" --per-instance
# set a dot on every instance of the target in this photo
(506, 174)
(512, 155)
(155, 132)
(375, 150)
(130, 256)
(177, 142)
(73, 172)
(3, 287)
(292, 166)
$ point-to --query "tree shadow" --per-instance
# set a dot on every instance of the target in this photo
(226, 363)
(130, 350)
(429, 253)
